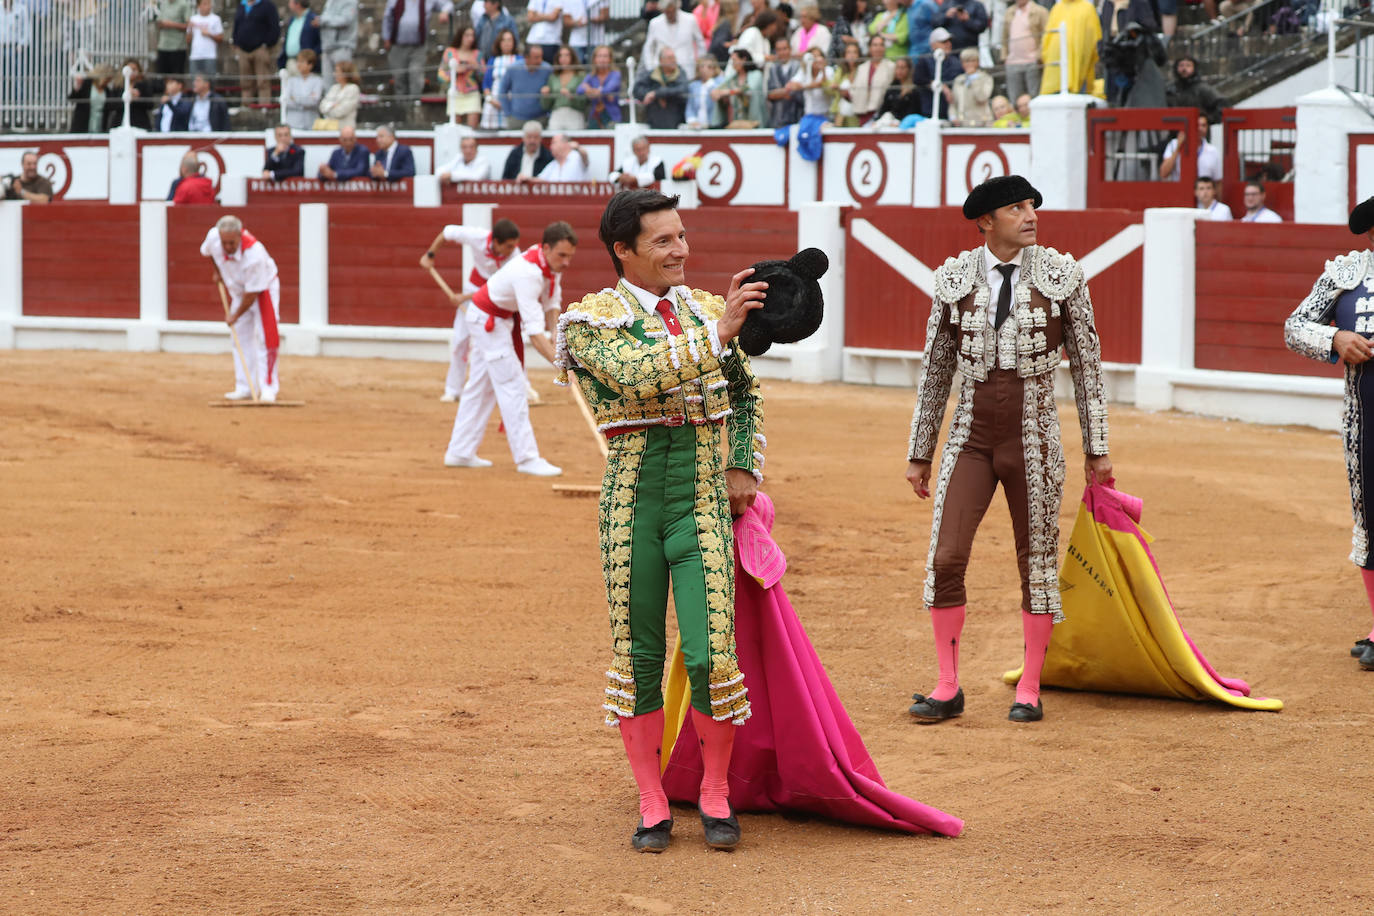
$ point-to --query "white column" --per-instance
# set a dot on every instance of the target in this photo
(313, 270)
(1168, 314)
(928, 178)
(124, 165)
(1059, 147)
(233, 190)
(425, 191)
(803, 176)
(146, 336)
(819, 226)
(624, 136)
(1326, 119)
(447, 138)
(11, 270)
(478, 216)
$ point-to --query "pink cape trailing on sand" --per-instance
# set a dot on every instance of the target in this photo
(798, 751)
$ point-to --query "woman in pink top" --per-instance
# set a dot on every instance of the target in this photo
(810, 34)
(707, 14)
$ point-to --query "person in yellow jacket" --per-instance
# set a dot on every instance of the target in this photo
(1084, 30)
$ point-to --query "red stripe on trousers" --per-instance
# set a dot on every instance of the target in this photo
(268, 313)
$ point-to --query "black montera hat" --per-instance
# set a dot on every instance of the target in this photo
(1362, 217)
(999, 192)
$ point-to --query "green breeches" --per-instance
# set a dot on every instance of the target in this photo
(665, 519)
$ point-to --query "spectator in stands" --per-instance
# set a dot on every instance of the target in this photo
(1023, 30)
(724, 34)
(851, 23)
(871, 82)
(545, 18)
(522, 88)
(462, 55)
(741, 96)
(678, 32)
(663, 92)
(903, 98)
(707, 14)
(811, 33)
(920, 22)
(702, 110)
(208, 110)
(392, 161)
(1255, 209)
(560, 98)
(841, 88)
(340, 106)
(1229, 8)
(301, 32)
(95, 101)
(349, 161)
(192, 187)
(784, 101)
(1023, 109)
(529, 156)
(598, 13)
(965, 20)
(601, 89)
(1134, 59)
(174, 111)
(493, 21)
(758, 38)
(575, 19)
(506, 55)
(205, 31)
(813, 86)
(1084, 30)
(1208, 156)
(303, 92)
(1205, 193)
(338, 33)
(141, 105)
(404, 26)
(968, 96)
(173, 16)
(468, 166)
(1189, 91)
(892, 24)
(285, 159)
(569, 161)
(925, 76)
(28, 185)
(257, 29)
(1003, 114)
(641, 168)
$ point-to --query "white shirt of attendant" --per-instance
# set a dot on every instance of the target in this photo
(478, 169)
(519, 286)
(1208, 160)
(1262, 215)
(1218, 212)
(1006, 334)
(476, 240)
(646, 173)
(249, 270)
(570, 169)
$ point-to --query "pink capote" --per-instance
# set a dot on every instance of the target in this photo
(798, 750)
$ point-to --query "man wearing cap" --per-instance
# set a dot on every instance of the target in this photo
(1001, 312)
(1333, 324)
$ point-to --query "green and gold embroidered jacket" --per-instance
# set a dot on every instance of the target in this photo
(634, 373)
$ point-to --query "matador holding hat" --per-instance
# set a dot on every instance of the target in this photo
(1001, 314)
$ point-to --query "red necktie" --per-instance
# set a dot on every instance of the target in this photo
(665, 308)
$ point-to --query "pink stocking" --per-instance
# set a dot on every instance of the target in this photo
(1368, 576)
(948, 623)
(643, 737)
(717, 740)
(1037, 629)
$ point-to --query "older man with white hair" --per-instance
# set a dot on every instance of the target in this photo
(250, 275)
(569, 161)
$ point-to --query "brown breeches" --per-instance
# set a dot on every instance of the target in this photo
(993, 453)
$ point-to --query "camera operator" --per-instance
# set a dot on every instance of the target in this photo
(1133, 59)
(30, 185)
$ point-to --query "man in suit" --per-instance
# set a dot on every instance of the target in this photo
(286, 159)
(207, 109)
(300, 32)
(393, 161)
(174, 113)
(348, 161)
(529, 156)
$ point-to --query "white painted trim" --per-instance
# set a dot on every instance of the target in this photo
(898, 258)
(11, 269)
(313, 268)
(152, 275)
(819, 225)
(1112, 250)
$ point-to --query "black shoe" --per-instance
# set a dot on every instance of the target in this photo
(721, 832)
(1358, 649)
(652, 839)
(1367, 658)
(927, 710)
(1025, 712)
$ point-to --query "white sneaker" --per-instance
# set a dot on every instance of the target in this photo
(447, 398)
(237, 395)
(539, 468)
(268, 397)
(471, 462)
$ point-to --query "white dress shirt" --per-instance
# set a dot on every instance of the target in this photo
(570, 169)
(478, 169)
(1218, 212)
(1006, 335)
(200, 114)
(1262, 215)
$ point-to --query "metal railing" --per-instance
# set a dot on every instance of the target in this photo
(45, 45)
(1273, 36)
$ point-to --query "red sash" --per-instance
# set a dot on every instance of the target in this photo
(482, 300)
(476, 279)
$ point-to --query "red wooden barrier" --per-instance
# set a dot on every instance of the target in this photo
(1259, 146)
(81, 260)
(1250, 277)
(313, 190)
(374, 266)
(191, 293)
(883, 310)
(1110, 176)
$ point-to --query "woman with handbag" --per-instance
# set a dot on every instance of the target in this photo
(340, 105)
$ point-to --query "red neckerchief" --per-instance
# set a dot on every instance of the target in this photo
(536, 256)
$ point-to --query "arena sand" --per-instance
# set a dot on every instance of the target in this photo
(283, 661)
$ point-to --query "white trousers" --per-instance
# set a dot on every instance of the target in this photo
(259, 340)
(458, 353)
(495, 378)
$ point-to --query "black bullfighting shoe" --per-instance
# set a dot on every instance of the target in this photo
(721, 832)
(1358, 649)
(1367, 658)
(652, 839)
(1025, 712)
(927, 710)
